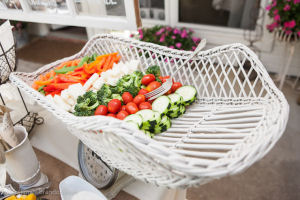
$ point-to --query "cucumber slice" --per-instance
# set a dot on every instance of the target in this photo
(162, 105)
(188, 94)
(133, 124)
(176, 99)
(176, 103)
(174, 113)
(135, 118)
(150, 118)
(164, 124)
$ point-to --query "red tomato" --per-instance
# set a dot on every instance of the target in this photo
(143, 91)
(101, 110)
(145, 105)
(164, 78)
(114, 105)
(123, 107)
(111, 115)
(127, 97)
(153, 85)
(148, 78)
(122, 114)
(139, 99)
(169, 92)
(175, 86)
(131, 108)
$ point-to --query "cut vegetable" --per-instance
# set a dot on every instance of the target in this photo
(164, 124)
(150, 118)
(174, 113)
(162, 105)
(133, 124)
(188, 94)
(135, 118)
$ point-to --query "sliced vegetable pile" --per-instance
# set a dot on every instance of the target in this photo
(101, 85)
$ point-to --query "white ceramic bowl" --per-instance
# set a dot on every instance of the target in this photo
(73, 185)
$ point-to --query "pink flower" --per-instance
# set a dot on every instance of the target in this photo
(169, 28)
(178, 45)
(287, 7)
(290, 24)
(268, 7)
(184, 34)
(195, 39)
(193, 47)
(172, 47)
(162, 38)
(296, 1)
(277, 17)
(173, 37)
(160, 31)
(131, 35)
(274, 3)
(176, 31)
(271, 27)
(141, 33)
(298, 33)
(288, 32)
(275, 12)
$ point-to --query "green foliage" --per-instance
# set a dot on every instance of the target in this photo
(174, 38)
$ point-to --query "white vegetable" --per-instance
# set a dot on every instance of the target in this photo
(75, 91)
(60, 102)
(90, 82)
(98, 83)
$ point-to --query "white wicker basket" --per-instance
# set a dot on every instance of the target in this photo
(233, 123)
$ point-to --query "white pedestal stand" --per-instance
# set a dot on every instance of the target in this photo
(290, 41)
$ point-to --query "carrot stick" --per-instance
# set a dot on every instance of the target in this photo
(106, 64)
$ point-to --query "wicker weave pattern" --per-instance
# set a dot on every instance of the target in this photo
(234, 122)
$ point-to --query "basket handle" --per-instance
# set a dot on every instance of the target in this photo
(200, 46)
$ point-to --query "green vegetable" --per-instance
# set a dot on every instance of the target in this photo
(130, 83)
(41, 89)
(105, 94)
(83, 60)
(155, 70)
(65, 69)
(117, 96)
(86, 104)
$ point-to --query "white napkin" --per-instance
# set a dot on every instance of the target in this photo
(6, 36)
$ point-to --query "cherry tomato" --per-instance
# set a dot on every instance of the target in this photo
(151, 101)
(127, 97)
(145, 105)
(101, 110)
(164, 78)
(139, 99)
(114, 105)
(169, 92)
(131, 108)
(153, 85)
(122, 114)
(111, 115)
(123, 107)
(143, 91)
(148, 78)
(175, 86)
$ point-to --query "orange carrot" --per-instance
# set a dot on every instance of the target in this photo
(106, 64)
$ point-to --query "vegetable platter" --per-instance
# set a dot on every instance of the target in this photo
(214, 123)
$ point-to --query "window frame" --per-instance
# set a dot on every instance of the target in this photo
(73, 18)
(215, 35)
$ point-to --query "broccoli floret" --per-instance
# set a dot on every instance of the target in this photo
(104, 92)
(155, 70)
(137, 75)
(86, 104)
(117, 96)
